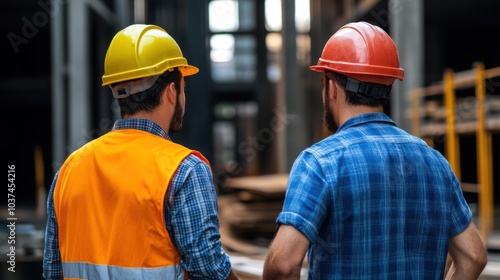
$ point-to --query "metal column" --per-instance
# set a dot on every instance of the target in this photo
(406, 28)
(78, 65)
(71, 71)
(58, 85)
(294, 97)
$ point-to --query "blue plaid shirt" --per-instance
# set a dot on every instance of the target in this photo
(375, 203)
(190, 217)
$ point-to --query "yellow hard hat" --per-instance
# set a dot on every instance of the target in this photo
(141, 51)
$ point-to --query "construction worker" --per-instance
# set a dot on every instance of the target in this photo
(370, 201)
(132, 204)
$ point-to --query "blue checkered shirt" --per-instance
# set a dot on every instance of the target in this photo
(190, 217)
(375, 203)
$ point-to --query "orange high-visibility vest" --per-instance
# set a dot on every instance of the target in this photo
(109, 206)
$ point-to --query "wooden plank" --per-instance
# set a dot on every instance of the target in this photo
(258, 216)
(461, 80)
(230, 241)
(491, 271)
(469, 187)
(493, 241)
(492, 123)
(272, 184)
(233, 243)
(248, 196)
(492, 73)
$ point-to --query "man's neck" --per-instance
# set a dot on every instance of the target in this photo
(152, 116)
(351, 111)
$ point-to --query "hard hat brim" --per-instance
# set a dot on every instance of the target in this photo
(184, 68)
(355, 68)
(188, 70)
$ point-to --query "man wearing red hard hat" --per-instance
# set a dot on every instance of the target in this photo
(371, 201)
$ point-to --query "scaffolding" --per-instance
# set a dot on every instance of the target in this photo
(478, 114)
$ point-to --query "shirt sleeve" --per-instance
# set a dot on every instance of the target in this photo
(52, 266)
(192, 222)
(307, 197)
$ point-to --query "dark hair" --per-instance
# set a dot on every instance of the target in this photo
(355, 98)
(149, 99)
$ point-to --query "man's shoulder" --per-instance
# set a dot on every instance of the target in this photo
(332, 143)
(193, 159)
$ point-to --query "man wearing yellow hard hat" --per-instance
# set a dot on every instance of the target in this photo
(132, 204)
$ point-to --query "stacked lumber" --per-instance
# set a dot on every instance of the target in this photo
(465, 108)
(433, 115)
(248, 212)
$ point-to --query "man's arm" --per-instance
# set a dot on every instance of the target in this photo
(286, 254)
(468, 253)
(52, 265)
(192, 222)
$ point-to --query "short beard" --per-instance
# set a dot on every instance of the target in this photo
(176, 123)
(328, 119)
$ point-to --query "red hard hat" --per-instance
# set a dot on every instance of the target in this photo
(361, 51)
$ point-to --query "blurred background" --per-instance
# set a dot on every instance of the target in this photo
(254, 105)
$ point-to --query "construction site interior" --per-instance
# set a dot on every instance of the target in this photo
(254, 105)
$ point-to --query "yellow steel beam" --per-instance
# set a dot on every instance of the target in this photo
(415, 105)
(452, 150)
(484, 160)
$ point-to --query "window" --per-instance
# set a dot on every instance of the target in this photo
(274, 40)
(232, 46)
(223, 16)
(273, 15)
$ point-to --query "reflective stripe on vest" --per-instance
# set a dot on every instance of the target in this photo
(109, 205)
(73, 270)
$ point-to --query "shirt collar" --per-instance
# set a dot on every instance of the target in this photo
(366, 118)
(141, 124)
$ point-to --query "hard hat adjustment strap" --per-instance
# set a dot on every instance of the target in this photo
(124, 90)
(368, 89)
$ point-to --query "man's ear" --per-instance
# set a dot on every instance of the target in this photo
(333, 88)
(170, 94)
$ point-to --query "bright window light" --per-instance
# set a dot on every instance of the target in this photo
(223, 15)
(222, 48)
(302, 15)
(273, 15)
(274, 42)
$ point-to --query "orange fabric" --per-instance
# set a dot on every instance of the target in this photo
(109, 200)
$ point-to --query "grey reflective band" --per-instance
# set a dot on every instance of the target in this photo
(373, 90)
(103, 272)
(123, 90)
